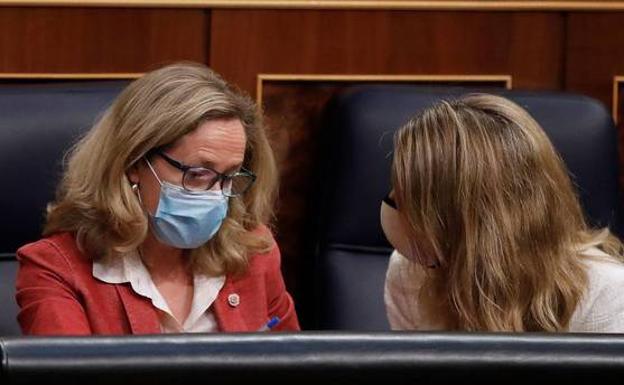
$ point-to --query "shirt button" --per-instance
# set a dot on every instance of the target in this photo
(233, 299)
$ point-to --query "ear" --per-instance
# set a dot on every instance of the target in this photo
(133, 174)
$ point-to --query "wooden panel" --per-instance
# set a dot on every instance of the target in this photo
(594, 52)
(99, 40)
(594, 56)
(528, 46)
(495, 5)
(616, 106)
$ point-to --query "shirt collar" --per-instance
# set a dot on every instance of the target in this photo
(128, 268)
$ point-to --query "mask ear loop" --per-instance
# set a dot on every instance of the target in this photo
(149, 164)
(137, 191)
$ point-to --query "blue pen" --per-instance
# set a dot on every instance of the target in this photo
(270, 325)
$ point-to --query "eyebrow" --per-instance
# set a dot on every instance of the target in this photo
(211, 165)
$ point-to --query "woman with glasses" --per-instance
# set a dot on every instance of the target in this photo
(488, 231)
(160, 220)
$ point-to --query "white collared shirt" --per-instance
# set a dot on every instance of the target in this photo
(130, 269)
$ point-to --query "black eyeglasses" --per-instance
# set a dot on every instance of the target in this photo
(390, 202)
(197, 179)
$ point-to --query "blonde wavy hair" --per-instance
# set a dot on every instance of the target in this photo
(480, 187)
(95, 200)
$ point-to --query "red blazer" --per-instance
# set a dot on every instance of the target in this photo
(58, 295)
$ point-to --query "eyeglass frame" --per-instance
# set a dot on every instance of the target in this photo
(220, 176)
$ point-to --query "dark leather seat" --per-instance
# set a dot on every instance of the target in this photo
(315, 358)
(351, 251)
(38, 123)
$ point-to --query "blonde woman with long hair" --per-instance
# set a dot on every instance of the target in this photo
(488, 231)
(160, 220)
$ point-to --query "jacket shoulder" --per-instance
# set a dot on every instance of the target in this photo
(269, 259)
(61, 246)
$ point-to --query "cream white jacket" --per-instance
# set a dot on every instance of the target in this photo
(600, 311)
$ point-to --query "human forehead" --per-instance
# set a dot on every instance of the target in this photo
(212, 141)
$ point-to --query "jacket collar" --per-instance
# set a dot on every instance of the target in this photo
(141, 310)
(142, 316)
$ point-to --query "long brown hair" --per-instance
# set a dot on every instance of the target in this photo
(480, 186)
(95, 199)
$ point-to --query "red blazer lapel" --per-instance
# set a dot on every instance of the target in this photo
(141, 314)
(226, 309)
(143, 317)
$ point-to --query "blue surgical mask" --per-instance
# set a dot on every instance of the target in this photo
(185, 219)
